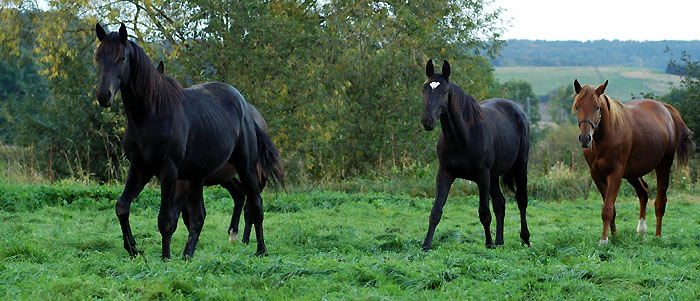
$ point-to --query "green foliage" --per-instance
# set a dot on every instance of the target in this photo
(559, 104)
(337, 245)
(520, 91)
(689, 103)
(337, 82)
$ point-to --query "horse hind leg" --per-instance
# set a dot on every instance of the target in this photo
(498, 202)
(642, 190)
(195, 208)
(663, 172)
(521, 199)
(248, 173)
(237, 192)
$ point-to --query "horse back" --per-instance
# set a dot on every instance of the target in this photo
(510, 132)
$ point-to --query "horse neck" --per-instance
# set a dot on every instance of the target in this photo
(605, 128)
(134, 106)
(452, 120)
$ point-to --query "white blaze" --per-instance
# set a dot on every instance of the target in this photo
(434, 85)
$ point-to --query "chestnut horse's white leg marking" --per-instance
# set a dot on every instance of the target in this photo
(642, 227)
(233, 236)
(603, 242)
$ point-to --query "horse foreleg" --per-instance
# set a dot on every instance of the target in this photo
(663, 172)
(484, 211)
(640, 188)
(608, 212)
(195, 207)
(443, 183)
(169, 208)
(135, 181)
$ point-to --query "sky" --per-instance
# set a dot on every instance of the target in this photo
(586, 20)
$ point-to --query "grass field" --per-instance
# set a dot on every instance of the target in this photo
(64, 242)
(623, 81)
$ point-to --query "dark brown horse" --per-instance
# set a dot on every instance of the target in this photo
(226, 178)
(180, 134)
(480, 142)
(629, 141)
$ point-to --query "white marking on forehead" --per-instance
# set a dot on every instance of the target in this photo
(434, 85)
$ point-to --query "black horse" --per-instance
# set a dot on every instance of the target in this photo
(479, 142)
(226, 178)
(179, 134)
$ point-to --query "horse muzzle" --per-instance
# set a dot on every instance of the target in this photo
(428, 123)
(585, 140)
(105, 98)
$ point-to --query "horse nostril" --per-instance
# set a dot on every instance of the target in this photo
(109, 93)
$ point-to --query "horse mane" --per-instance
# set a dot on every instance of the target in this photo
(471, 110)
(616, 108)
(161, 93)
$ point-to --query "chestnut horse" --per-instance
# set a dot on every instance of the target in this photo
(629, 141)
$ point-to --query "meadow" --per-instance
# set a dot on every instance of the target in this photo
(63, 241)
(624, 81)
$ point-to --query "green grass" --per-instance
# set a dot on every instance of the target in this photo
(623, 81)
(334, 245)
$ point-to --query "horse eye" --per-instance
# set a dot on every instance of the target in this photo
(576, 108)
(121, 59)
(597, 108)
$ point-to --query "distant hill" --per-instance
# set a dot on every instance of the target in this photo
(624, 81)
(649, 54)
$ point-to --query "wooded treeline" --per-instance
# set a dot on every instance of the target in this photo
(337, 81)
(649, 54)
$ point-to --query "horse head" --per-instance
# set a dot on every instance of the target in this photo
(112, 57)
(588, 107)
(435, 93)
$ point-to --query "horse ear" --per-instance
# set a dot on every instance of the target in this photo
(446, 70)
(101, 34)
(161, 68)
(429, 69)
(601, 89)
(122, 34)
(577, 86)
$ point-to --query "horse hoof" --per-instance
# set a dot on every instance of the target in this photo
(604, 242)
(233, 236)
(426, 248)
(526, 243)
(135, 253)
(261, 253)
(490, 246)
(642, 227)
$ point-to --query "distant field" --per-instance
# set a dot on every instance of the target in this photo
(623, 81)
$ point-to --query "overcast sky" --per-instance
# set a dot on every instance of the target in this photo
(642, 20)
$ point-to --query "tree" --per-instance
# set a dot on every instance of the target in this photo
(520, 91)
(689, 104)
(560, 101)
(338, 81)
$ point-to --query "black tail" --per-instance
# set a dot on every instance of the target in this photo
(508, 179)
(269, 165)
(686, 146)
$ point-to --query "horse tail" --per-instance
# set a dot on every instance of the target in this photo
(508, 180)
(269, 164)
(684, 136)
